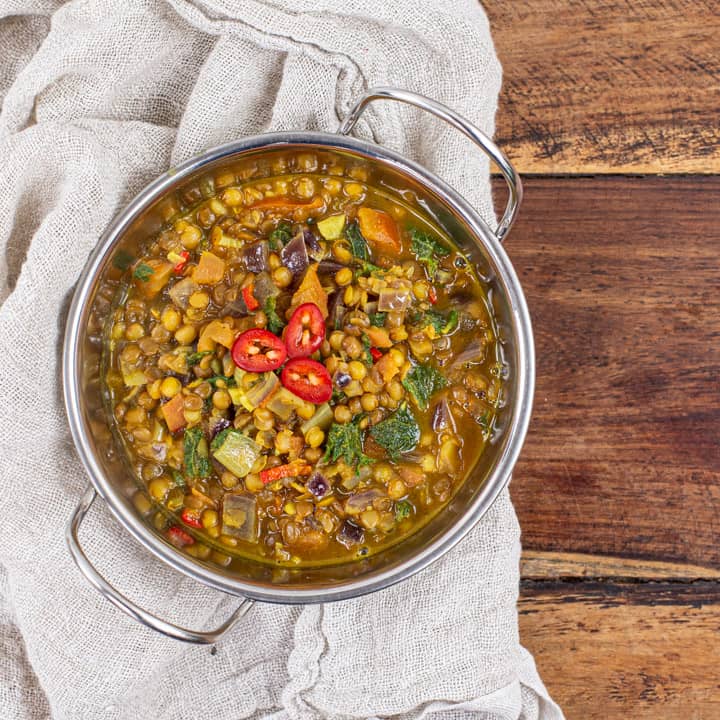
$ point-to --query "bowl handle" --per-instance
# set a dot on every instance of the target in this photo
(467, 128)
(201, 637)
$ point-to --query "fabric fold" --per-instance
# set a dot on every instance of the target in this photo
(98, 99)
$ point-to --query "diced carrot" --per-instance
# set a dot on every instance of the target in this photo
(379, 229)
(287, 204)
(215, 331)
(310, 291)
(387, 367)
(172, 411)
(379, 337)
(151, 276)
(293, 469)
(210, 269)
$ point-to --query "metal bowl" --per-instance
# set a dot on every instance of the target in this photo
(107, 466)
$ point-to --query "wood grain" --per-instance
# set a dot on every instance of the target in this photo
(541, 565)
(644, 651)
(623, 282)
(609, 86)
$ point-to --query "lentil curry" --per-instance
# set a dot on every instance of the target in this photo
(301, 367)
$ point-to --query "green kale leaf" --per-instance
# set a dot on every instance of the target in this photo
(399, 433)
(421, 382)
(357, 242)
(443, 324)
(427, 250)
(143, 272)
(274, 321)
(280, 236)
(345, 441)
(402, 510)
(378, 319)
(196, 357)
(195, 454)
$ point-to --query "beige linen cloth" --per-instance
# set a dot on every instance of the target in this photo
(98, 97)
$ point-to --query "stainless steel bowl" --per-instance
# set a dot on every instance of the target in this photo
(107, 466)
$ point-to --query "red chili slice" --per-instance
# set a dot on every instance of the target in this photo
(178, 537)
(308, 379)
(250, 300)
(376, 354)
(191, 517)
(305, 331)
(258, 350)
(432, 295)
(185, 256)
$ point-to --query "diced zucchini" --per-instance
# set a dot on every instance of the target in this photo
(331, 227)
(322, 418)
(237, 452)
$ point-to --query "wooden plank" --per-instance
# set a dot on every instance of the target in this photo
(609, 86)
(623, 454)
(643, 651)
(541, 565)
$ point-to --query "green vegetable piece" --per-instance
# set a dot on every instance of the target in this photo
(122, 260)
(366, 350)
(196, 357)
(421, 382)
(345, 441)
(280, 236)
(195, 454)
(179, 480)
(229, 381)
(427, 249)
(274, 321)
(237, 452)
(143, 272)
(331, 227)
(357, 242)
(322, 418)
(399, 433)
(443, 324)
(403, 509)
(378, 319)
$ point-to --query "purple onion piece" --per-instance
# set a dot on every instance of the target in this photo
(294, 256)
(341, 379)
(336, 310)
(350, 534)
(256, 256)
(218, 427)
(318, 485)
(264, 288)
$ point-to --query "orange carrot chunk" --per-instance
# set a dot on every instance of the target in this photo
(379, 229)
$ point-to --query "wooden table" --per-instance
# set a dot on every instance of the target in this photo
(611, 111)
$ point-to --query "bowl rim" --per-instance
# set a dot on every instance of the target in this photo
(499, 474)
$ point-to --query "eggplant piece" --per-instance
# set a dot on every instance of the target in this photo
(294, 256)
(394, 299)
(181, 291)
(256, 256)
(329, 267)
(318, 485)
(350, 534)
(264, 288)
(239, 517)
(314, 249)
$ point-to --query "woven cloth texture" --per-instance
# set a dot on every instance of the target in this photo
(99, 97)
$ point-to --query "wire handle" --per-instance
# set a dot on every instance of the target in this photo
(467, 128)
(200, 637)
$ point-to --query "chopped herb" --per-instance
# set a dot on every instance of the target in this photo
(427, 250)
(366, 350)
(337, 396)
(421, 382)
(143, 272)
(196, 357)
(280, 236)
(229, 381)
(122, 260)
(274, 321)
(195, 454)
(443, 324)
(345, 441)
(483, 421)
(357, 242)
(402, 510)
(219, 439)
(378, 319)
(179, 480)
(399, 433)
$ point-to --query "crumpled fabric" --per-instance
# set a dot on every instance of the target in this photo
(98, 98)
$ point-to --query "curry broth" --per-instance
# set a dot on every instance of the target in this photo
(331, 507)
